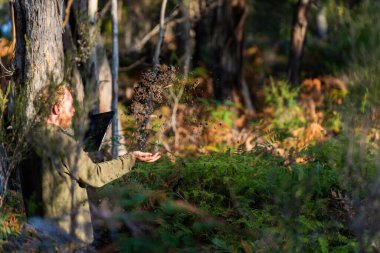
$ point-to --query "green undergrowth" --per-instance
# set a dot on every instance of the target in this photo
(246, 202)
(250, 202)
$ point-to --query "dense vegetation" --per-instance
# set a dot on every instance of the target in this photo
(298, 175)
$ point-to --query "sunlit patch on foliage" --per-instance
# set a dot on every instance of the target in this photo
(223, 202)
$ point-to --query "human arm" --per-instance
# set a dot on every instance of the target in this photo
(84, 170)
(99, 174)
(79, 165)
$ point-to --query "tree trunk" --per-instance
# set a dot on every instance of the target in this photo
(92, 62)
(38, 63)
(39, 60)
(321, 23)
(299, 29)
(226, 46)
(185, 41)
(115, 84)
(86, 35)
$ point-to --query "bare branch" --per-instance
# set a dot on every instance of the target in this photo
(156, 58)
(67, 13)
(105, 9)
(169, 21)
(133, 65)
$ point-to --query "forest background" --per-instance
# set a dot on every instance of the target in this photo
(266, 113)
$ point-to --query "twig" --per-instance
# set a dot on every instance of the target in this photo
(105, 9)
(169, 21)
(67, 13)
(133, 65)
(156, 58)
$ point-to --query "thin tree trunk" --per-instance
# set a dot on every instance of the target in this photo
(299, 29)
(92, 62)
(115, 69)
(321, 23)
(105, 93)
(156, 58)
(4, 174)
(185, 39)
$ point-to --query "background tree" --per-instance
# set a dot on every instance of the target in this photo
(298, 35)
(225, 40)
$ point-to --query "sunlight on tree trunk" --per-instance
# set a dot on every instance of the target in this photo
(299, 29)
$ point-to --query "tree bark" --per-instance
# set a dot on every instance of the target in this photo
(92, 62)
(84, 31)
(39, 57)
(39, 62)
(226, 46)
(299, 29)
(71, 69)
(156, 58)
(115, 84)
(185, 41)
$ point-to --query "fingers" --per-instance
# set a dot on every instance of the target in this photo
(141, 154)
(154, 158)
(146, 156)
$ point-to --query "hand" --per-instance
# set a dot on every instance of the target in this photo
(146, 157)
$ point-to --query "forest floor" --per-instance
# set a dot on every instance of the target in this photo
(293, 178)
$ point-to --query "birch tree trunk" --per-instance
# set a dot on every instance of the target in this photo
(299, 29)
(92, 62)
(115, 84)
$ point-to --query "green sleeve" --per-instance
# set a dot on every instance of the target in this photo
(80, 166)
